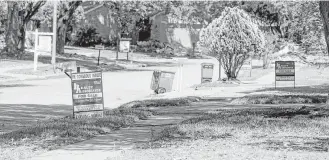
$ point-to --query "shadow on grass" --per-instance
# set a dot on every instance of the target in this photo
(14, 85)
(310, 145)
(324, 88)
(89, 63)
(19, 116)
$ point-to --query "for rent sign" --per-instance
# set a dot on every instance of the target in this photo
(284, 71)
(87, 94)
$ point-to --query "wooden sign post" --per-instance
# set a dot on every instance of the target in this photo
(99, 47)
(87, 95)
(285, 71)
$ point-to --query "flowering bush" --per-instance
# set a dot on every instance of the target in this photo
(231, 39)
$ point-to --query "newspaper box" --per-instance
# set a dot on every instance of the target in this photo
(207, 70)
(162, 81)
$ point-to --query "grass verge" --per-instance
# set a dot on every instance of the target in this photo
(281, 99)
(295, 128)
(185, 101)
(54, 133)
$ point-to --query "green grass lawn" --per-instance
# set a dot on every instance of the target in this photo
(270, 128)
(287, 132)
(256, 72)
(53, 132)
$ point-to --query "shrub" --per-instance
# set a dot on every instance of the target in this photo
(230, 39)
(86, 36)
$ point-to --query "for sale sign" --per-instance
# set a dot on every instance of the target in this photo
(87, 94)
(285, 68)
(125, 45)
(284, 71)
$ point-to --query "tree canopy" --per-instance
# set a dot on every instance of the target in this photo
(231, 39)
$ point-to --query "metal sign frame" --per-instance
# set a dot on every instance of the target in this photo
(286, 75)
(87, 79)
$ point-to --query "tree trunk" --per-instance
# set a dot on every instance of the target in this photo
(12, 31)
(61, 35)
(64, 19)
(22, 40)
(134, 36)
(219, 69)
(265, 61)
(324, 10)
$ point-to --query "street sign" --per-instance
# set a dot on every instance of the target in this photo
(87, 94)
(284, 71)
(100, 47)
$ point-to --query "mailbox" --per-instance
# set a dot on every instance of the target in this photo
(207, 70)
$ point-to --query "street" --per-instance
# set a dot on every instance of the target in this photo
(118, 87)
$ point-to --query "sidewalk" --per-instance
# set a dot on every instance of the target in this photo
(111, 145)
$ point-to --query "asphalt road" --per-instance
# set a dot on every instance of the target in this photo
(118, 87)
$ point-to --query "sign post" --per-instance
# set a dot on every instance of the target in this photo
(125, 46)
(87, 95)
(285, 71)
(99, 47)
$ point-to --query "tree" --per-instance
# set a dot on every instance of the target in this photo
(127, 14)
(64, 20)
(230, 39)
(324, 10)
(19, 14)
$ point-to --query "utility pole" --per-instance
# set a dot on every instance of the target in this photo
(53, 54)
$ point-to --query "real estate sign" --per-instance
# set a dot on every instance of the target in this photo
(284, 71)
(124, 45)
(87, 94)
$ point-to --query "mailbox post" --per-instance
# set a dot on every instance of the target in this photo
(207, 70)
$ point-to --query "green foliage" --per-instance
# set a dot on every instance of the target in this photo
(302, 24)
(86, 36)
(230, 38)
